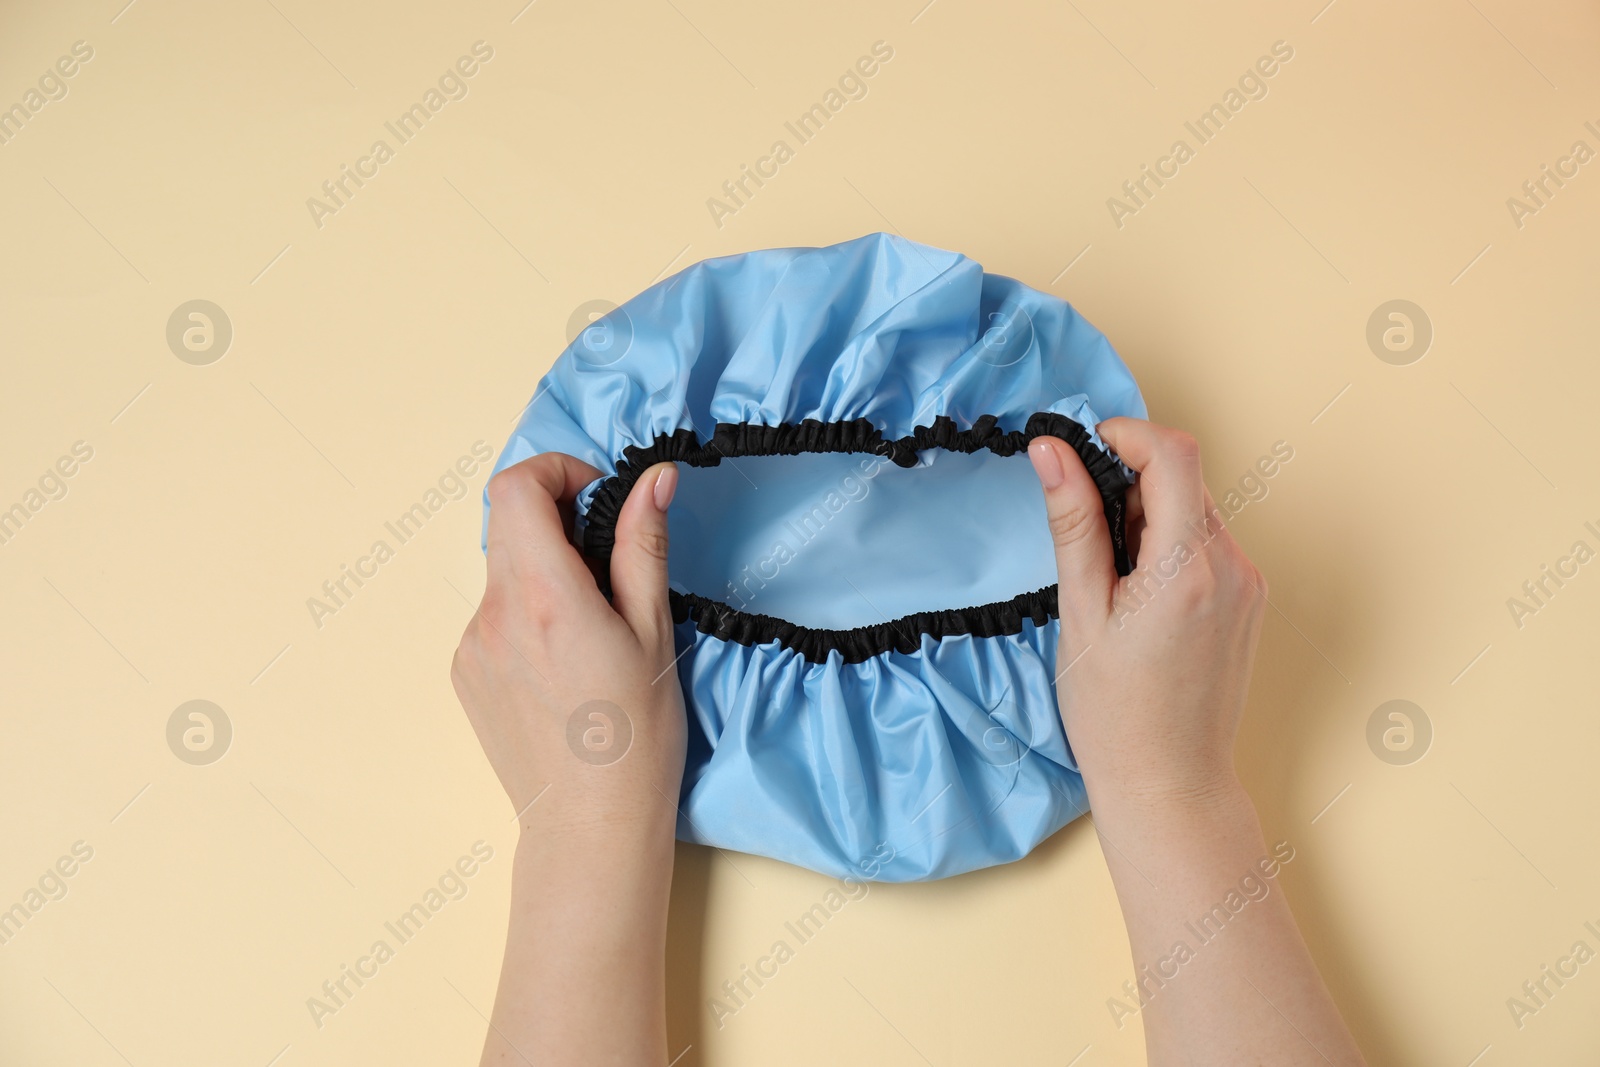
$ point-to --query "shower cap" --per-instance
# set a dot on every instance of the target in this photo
(861, 571)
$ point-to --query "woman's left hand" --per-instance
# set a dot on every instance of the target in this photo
(578, 706)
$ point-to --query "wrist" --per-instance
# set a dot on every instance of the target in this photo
(1196, 804)
(621, 800)
(604, 841)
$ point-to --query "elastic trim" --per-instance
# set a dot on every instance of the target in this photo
(903, 635)
(732, 440)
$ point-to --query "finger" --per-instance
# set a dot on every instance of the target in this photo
(1214, 527)
(527, 536)
(1168, 462)
(1084, 564)
(639, 559)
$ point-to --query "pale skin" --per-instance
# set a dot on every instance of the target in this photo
(1160, 666)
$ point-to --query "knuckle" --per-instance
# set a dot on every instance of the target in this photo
(542, 614)
(528, 608)
(496, 616)
(1073, 525)
(1182, 445)
(1200, 585)
(652, 543)
(1252, 583)
(510, 629)
(492, 612)
(1242, 574)
(513, 482)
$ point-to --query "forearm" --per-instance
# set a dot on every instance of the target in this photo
(573, 697)
(583, 980)
(1223, 975)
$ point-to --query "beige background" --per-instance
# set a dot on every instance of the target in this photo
(370, 353)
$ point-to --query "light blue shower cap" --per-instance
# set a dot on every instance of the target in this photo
(861, 569)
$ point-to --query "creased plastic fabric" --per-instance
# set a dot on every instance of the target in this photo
(912, 764)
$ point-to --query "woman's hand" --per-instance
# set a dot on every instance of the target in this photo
(1156, 664)
(1154, 669)
(578, 707)
(569, 693)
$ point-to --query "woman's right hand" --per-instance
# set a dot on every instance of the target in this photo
(1154, 666)
(1154, 669)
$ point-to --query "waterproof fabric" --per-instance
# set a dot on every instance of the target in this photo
(861, 570)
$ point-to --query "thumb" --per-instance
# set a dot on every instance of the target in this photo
(1084, 562)
(639, 557)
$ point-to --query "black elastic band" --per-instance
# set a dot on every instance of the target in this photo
(732, 440)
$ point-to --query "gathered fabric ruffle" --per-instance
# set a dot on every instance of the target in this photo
(904, 634)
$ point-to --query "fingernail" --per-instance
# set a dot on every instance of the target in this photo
(1046, 463)
(666, 485)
